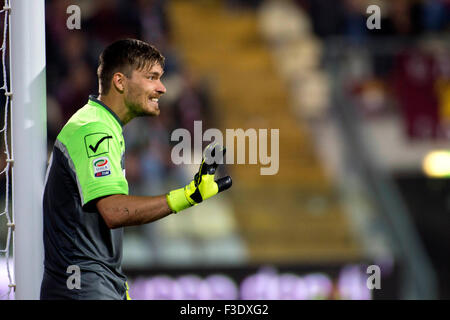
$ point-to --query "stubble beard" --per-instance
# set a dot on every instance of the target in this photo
(136, 107)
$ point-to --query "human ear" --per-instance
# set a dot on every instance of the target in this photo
(119, 81)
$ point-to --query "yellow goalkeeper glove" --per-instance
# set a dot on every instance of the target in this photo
(203, 186)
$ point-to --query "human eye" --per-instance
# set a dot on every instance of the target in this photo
(153, 76)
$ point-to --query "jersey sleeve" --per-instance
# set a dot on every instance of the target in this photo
(97, 154)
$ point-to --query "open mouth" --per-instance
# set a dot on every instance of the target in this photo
(155, 101)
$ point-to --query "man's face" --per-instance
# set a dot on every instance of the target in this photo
(142, 91)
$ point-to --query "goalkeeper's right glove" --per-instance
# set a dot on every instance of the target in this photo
(203, 186)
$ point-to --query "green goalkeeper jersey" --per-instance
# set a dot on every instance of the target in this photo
(82, 255)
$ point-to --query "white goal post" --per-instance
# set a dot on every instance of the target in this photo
(28, 141)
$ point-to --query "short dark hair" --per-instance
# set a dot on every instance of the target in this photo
(125, 56)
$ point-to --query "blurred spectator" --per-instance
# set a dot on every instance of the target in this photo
(326, 22)
(436, 14)
(400, 17)
(155, 27)
(400, 70)
(355, 20)
(414, 80)
(193, 103)
(112, 20)
(73, 91)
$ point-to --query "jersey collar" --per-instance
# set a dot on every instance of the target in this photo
(93, 98)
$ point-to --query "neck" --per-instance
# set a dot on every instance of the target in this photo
(117, 105)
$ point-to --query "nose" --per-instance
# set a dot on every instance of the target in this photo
(161, 88)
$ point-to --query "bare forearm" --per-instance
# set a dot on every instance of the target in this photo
(123, 210)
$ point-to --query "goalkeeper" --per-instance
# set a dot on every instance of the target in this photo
(86, 201)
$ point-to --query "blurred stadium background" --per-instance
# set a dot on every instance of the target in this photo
(359, 112)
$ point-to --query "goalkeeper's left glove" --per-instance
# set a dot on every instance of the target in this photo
(203, 186)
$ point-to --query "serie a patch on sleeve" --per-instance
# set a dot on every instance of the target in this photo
(101, 167)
